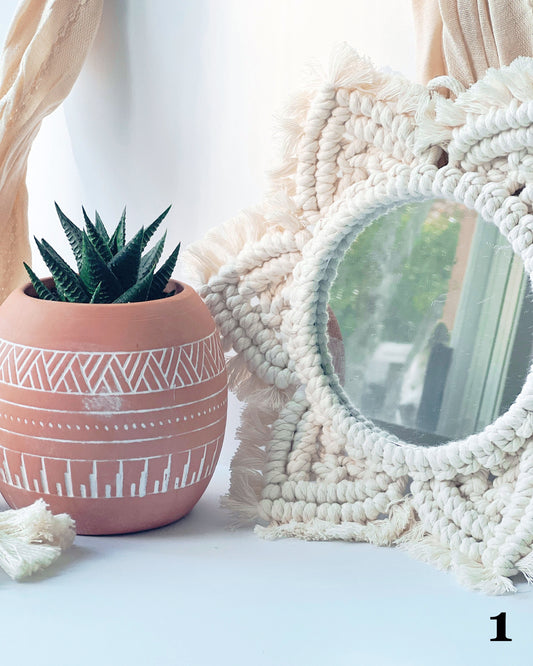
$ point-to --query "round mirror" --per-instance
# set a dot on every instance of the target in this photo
(431, 322)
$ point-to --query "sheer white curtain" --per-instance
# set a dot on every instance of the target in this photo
(177, 99)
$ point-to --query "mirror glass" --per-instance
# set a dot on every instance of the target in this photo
(431, 322)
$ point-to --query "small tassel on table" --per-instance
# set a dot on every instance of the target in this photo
(32, 538)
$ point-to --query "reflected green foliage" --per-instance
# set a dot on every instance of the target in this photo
(394, 277)
(424, 278)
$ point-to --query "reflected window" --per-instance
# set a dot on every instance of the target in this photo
(436, 321)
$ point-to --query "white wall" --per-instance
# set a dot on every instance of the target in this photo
(176, 104)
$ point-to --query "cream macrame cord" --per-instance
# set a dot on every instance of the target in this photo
(359, 142)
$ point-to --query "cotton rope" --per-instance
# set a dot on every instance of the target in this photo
(43, 54)
(355, 143)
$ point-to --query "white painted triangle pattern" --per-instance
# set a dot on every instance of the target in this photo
(111, 372)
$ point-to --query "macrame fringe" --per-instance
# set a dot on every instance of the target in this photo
(469, 573)
(349, 71)
(32, 538)
(525, 566)
(221, 244)
(242, 500)
(437, 116)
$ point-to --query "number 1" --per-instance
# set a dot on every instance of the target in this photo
(500, 628)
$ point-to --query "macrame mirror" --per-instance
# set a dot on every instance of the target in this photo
(435, 322)
(379, 174)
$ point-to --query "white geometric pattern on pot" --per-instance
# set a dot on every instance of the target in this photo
(110, 372)
(105, 478)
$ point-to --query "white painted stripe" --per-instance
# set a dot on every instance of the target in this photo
(36, 485)
(10, 344)
(7, 470)
(108, 490)
(59, 489)
(143, 480)
(186, 471)
(44, 478)
(67, 369)
(93, 481)
(68, 480)
(132, 490)
(119, 480)
(202, 462)
(41, 384)
(125, 411)
(23, 473)
(154, 376)
(103, 460)
(166, 474)
(117, 441)
(83, 490)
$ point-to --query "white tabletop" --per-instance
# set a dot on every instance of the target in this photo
(197, 593)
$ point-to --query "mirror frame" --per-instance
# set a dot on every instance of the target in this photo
(360, 142)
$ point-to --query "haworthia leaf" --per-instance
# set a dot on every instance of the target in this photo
(100, 227)
(73, 233)
(95, 298)
(138, 292)
(98, 242)
(95, 272)
(163, 275)
(152, 257)
(150, 230)
(41, 289)
(125, 265)
(68, 284)
(118, 239)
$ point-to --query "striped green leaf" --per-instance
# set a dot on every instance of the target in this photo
(98, 242)
(73, 233)
(138, 292)
(95, 298)
(152, 228)
(69, 285)
(163, 275)
(151, 258)
(125, 265)
(41, 289)
(118, 239)
(100, 227)
(95, 272)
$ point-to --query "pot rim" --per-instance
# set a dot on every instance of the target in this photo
(184, 291)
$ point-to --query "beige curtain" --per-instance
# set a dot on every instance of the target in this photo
(44, 52)
(463, 38)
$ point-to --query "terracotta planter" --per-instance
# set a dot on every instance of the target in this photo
(114, 414)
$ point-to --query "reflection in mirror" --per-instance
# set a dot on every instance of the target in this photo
(436, 320)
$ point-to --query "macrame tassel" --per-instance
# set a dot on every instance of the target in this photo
(525, 566)
(469, 573)
(32, 538)
(243, 498)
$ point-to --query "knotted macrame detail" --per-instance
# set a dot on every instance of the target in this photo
(357, 143)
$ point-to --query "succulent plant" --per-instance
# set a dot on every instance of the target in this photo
(110, 270)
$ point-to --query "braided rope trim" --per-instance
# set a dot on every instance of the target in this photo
(357, 143)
